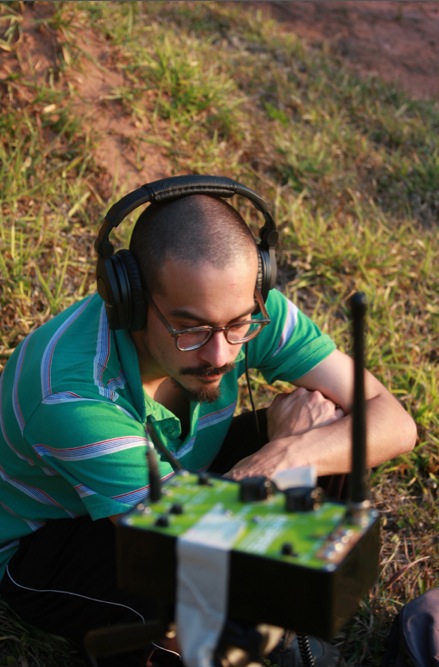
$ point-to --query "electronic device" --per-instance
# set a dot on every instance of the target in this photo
(296, 560)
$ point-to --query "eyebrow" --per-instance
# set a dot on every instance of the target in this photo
(187, 314)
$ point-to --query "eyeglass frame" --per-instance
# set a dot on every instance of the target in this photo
(176, 333)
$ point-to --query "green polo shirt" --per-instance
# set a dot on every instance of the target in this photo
(73, 415)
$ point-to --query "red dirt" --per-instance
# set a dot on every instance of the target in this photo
(396, 40)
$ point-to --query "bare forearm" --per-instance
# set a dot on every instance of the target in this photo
(390, 432)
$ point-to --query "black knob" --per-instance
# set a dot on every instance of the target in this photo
(203, 479)
(303, 498)
(162, 521)
(287, 549)
(176, 508)
(255, 488)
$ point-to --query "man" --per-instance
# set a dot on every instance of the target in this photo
(78, 397)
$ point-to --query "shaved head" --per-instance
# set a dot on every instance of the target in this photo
(197, 229)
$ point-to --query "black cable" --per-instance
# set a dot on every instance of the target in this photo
(305, 651)
(250, 395)
(160, 447)
(155, 485)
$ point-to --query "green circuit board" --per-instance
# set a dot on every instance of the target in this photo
(213, 514)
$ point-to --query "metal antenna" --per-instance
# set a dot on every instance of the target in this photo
(359, 503)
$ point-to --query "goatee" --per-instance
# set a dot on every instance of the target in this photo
(207, 393)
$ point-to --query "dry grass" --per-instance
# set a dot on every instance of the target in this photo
(98, 98)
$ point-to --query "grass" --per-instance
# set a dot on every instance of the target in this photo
(351, 167)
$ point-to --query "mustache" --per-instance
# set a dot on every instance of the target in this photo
(207, 371)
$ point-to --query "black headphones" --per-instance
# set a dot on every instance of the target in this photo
(118, 276)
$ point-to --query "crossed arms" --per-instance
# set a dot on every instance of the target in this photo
(313, 424)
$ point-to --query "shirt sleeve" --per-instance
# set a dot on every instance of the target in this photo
(94, 454)
(291, 345)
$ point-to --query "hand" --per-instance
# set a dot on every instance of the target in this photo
(267, 461)
(298, 412)
(288, 415)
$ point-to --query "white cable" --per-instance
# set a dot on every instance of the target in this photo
(78, 595)
(168, 650)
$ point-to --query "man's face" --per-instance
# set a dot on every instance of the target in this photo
(195, 295)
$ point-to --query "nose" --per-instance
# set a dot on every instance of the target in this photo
(217, 352)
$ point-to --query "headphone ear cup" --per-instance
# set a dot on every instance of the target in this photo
(267, 270)
(120, 287)
(108, 289)
(136, 305)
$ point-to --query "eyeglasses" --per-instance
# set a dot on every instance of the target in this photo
(236, 333)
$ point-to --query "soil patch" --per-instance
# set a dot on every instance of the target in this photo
(398, 41)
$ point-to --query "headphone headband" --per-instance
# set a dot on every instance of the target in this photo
(118, 276)
(167, 189)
